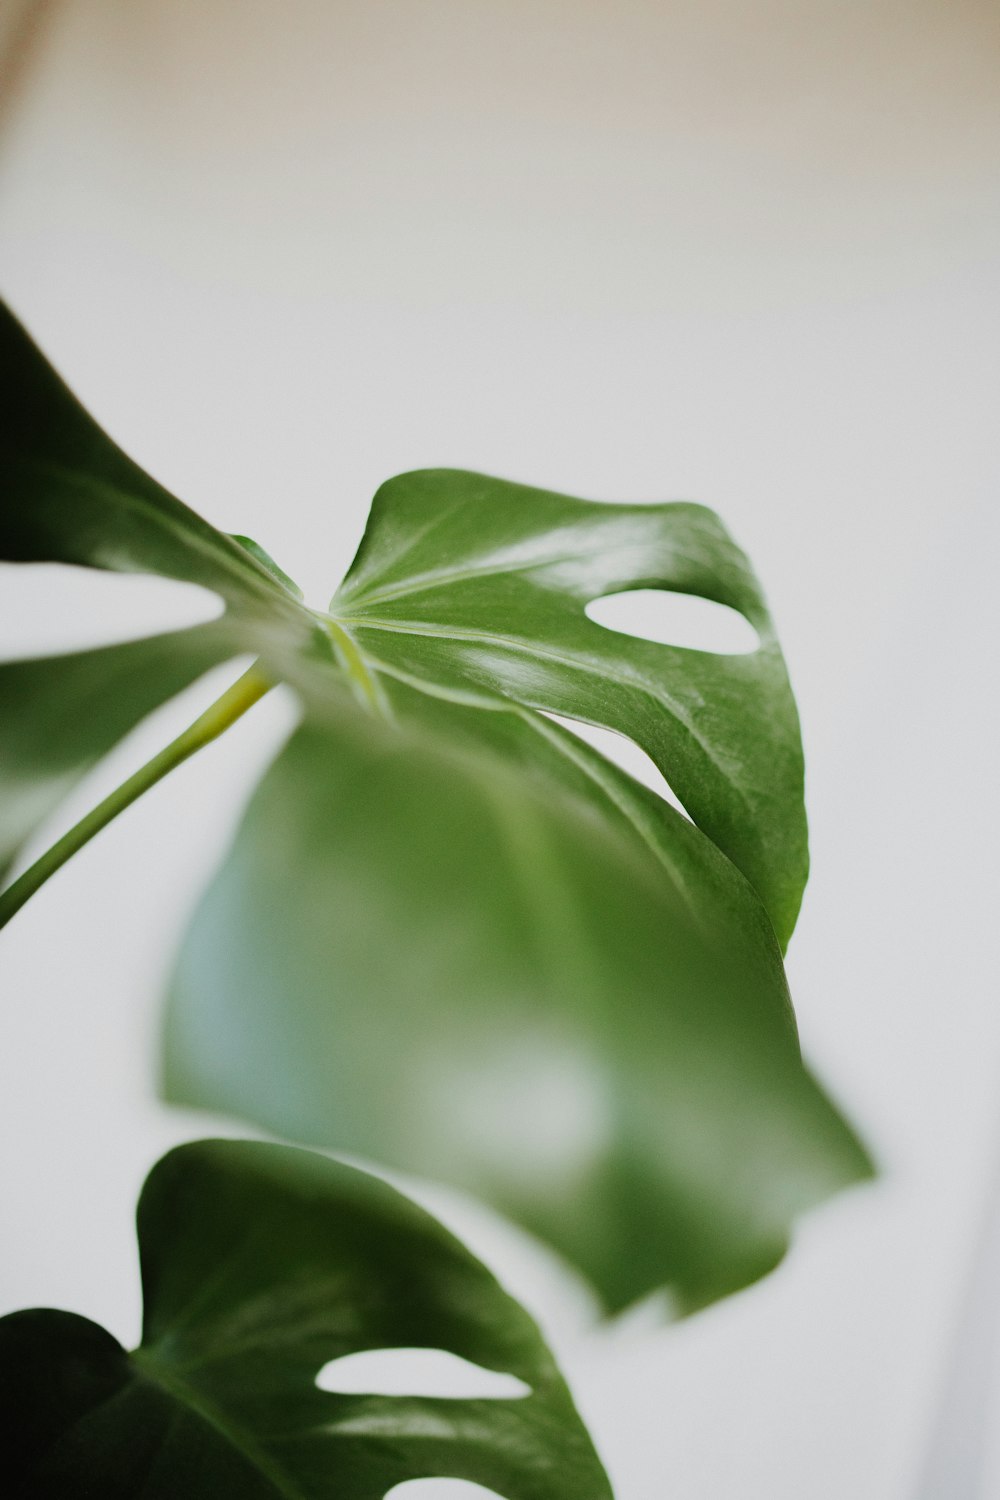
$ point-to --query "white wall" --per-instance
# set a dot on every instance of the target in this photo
(745, 254)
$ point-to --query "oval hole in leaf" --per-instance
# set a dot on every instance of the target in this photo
(675, 619)
(49, 608)
(626, 754)
(417, 1372)
(441, 1489)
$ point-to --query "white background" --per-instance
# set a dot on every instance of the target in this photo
(738, 253)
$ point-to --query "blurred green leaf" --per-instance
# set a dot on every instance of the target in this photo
(260, 1264)
(460, 941)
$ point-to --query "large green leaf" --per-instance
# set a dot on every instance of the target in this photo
(460, 941)
(450, 934)
(465, 580)
(260, 1264)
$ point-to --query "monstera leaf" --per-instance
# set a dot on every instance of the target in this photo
(463, 582)
(450, 934)
(260, 1265)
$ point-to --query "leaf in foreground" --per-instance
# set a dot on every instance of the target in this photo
(461, 942)
(260, 1264)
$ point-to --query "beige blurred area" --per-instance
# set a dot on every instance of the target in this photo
(744, 253)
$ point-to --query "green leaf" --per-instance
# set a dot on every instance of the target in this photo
(72, 496)
(461, 942)
(260, 1264)
(467, 581)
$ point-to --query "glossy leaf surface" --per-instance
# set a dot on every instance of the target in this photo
(450, 934)
(260, 1264)
(72, 496)
(474, 582)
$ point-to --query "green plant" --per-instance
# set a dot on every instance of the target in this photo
(450, 935)
(260, 1265)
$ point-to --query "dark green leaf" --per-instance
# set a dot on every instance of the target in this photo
(260, 1264)
(468, 581)
(72, 496)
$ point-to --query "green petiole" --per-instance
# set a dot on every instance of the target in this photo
(234, 702)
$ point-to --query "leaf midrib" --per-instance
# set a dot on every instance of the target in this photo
(420, 583)
(246, 572)
(576, 664)
(151, 1369)
(537, 722)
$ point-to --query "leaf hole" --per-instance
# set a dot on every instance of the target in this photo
(441, 1489)
(674, 619)
(626, 754)
(49, 608)
(417, 1372)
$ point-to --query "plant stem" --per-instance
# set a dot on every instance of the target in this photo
(243, 694)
